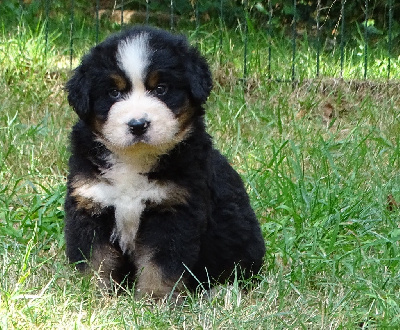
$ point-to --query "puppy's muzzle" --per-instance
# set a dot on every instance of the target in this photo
(138, 126)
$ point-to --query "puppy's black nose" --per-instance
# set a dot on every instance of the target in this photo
(138, 126)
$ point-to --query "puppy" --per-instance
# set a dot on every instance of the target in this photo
(149, 200)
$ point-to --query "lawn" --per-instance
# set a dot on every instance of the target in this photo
(320, 161)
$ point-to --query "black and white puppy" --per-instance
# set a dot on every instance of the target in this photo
(149, 200)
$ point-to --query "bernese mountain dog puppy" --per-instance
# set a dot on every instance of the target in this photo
(149, 200)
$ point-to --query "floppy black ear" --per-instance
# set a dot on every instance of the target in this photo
(199, 76)
(78, 92)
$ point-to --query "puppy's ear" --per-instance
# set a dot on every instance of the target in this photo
(78, 89)
(199, 76)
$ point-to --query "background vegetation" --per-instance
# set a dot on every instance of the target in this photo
(320, 160)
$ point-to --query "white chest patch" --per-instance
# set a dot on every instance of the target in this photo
(127, 190)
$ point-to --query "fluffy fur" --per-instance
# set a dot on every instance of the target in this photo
(149, 200)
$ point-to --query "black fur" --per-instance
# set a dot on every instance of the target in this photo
(205, 237)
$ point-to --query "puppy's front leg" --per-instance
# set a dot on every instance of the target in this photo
(152, 280)
(88, 244)
(166, 246)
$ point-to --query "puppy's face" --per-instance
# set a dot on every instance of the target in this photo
(142, 87)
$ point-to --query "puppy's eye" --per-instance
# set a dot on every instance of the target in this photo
(160, 89)
(114, 94)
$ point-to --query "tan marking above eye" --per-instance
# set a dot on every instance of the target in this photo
(152, 80)
(119, 81)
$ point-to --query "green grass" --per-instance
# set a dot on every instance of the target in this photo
(319, 161)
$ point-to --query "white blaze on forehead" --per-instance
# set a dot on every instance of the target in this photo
(133, 56)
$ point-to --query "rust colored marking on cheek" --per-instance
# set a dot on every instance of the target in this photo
(185, 115)
(119, 81)
(97, 125)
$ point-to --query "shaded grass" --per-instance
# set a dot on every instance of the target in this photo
(319, 162)
(320, 185)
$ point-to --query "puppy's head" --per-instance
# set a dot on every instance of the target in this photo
(140, 87)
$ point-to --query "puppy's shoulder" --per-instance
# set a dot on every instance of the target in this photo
(87, 154)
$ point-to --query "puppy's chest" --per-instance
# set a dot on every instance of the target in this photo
(127, 190)
(130, 189)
